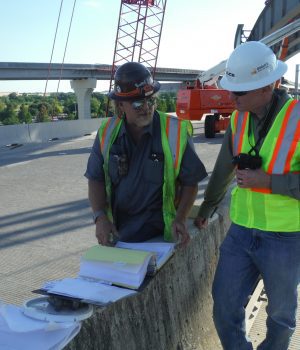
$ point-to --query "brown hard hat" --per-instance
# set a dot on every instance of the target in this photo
(133, 81)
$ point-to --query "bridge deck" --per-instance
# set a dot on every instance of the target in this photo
(45, 222)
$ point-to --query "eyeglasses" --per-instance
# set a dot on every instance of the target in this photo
(140, 103)
(239, 93)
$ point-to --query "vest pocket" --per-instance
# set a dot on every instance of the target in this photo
(113, 169)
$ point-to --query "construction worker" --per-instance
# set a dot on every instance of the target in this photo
(140, 160)
(261, 150)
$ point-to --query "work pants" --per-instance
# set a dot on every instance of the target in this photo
(245, 255)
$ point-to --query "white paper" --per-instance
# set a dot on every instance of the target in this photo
(93, 291)
(162, 250)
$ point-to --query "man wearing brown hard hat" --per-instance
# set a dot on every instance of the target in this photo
(143, 172)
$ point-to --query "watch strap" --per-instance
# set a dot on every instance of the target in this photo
(97, 214)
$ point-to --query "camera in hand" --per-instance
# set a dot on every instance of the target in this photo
(247, 161)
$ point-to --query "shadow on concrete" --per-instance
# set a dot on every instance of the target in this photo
(23, 156)
(28, 226)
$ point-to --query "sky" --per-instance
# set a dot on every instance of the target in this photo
(196, 34)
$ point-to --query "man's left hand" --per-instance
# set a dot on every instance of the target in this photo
(248, 178)
(180, 233)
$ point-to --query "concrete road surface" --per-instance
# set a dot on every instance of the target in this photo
(45, 219)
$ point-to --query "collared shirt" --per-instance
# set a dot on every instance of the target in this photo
(223, 173)
(136, 172)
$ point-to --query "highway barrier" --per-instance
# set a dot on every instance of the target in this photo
(172, 312)
(42, 132)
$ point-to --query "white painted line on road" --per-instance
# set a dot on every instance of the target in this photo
(17, 164)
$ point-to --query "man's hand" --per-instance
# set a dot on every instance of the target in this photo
(248, 178)
(201, 222)
(180, 233)
(105, 231)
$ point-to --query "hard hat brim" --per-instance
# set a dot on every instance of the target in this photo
(112, 95)
(280, 70)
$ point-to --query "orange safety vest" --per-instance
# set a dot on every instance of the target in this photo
(280, 152)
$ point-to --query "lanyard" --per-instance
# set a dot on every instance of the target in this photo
(265, 127)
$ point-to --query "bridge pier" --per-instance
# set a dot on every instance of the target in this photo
(83, 89)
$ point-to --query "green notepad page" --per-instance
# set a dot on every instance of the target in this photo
(116, 255)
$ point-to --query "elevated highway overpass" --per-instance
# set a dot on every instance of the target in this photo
(43, 71)
(83, 77)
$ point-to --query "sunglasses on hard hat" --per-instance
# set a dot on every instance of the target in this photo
(239, 93)
(138, 104)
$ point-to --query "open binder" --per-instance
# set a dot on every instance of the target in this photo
(107, 274)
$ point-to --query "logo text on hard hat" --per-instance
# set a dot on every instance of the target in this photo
(230, 74)
(260, 68)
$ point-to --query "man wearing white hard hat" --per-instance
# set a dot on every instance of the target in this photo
(261, 150)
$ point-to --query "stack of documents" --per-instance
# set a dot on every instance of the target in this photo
(19, 332)
(108, 274)
(161, 251)
(114, 265)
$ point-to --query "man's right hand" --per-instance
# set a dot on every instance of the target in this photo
(201, 222)
(105, 231)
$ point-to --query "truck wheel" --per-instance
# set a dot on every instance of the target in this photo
(209, 126)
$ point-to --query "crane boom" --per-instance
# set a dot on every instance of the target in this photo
(269, 40)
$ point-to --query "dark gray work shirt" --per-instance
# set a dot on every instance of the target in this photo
(137, 181)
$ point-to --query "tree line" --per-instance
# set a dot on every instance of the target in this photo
(34, 108)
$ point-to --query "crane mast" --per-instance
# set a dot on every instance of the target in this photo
(138, 34)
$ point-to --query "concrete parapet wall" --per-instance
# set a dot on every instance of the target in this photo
(40, 132)
(173, 311)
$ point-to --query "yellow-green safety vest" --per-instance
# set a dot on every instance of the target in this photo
(280, 152)
(174, 136)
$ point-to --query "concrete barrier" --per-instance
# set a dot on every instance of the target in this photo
(40, 132)
(173, 312)
(14, 134)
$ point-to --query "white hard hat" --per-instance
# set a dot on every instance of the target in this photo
(252, 65)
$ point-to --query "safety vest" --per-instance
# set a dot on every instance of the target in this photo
(280, 152)
(174, 136)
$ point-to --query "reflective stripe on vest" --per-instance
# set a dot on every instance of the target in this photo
(280, 152)
(240, 121)
(106, 133)
(287, 141)
(174, 128)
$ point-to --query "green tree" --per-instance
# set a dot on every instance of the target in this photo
(24, 114)
(55, 108)
(95, 106)
(70, 107)
(2, 106)
(43, 114)
(33, 109)
(9, 116)
(162, 105)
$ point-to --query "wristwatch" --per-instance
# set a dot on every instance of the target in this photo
(97, 214)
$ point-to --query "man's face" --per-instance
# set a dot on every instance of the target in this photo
(253, 101)
(140, 112)
(245, 101)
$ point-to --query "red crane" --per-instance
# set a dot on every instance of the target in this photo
(139, 33)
